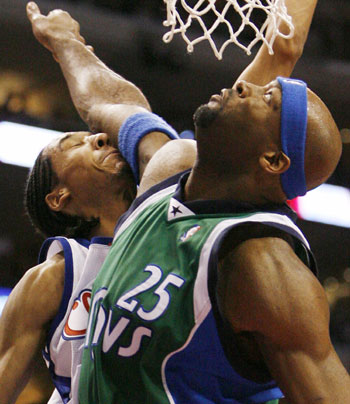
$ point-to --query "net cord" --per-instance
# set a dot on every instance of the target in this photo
(275, 10)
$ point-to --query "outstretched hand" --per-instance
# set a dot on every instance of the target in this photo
(58, 25)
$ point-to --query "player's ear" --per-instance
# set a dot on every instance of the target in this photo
(58, 198)
(274, 162)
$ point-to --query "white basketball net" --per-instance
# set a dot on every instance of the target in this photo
(275, 10)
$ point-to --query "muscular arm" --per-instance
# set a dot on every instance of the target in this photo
(103, 98)
(98, 93)
(271, 295)
(32, 304)
(265, 67)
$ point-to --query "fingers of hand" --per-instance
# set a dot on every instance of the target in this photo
(81, 38)
(58, 13)
(63, 19)
(33, 10)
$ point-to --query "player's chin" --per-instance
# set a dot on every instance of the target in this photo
(123, 170)
(205, 115)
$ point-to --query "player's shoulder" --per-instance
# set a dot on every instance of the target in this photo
(174, 157)
(267, 277)
(245, 238)
(46, 277)
(52, 266)
(261, 258)
(39, 292)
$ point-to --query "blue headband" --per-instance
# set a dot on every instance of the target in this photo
(293, 135)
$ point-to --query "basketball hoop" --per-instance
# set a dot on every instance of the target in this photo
(180, 17)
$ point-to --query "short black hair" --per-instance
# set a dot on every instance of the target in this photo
(40, 182)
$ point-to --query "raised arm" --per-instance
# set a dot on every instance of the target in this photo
(94, 87)
(265, 67)
(103, 98)
(32, 304)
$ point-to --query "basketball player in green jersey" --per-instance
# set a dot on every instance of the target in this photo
(209, 290)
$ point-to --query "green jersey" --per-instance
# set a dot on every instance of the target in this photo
(152, 334)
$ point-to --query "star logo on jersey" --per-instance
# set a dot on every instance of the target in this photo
(77, 321)
(176, 209)
(189, 233)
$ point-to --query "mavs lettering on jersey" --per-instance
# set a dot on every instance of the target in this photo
(130, 303)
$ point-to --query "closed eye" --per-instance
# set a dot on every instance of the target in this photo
(71, 140)
(72, 144)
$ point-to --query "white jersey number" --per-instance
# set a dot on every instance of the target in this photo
(130, 302)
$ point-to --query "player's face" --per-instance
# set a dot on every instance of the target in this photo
(238, 125)
(244, 106)
(84, 161)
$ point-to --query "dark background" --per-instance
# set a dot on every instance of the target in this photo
(127, 36)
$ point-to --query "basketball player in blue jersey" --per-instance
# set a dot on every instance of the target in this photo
(102, 166)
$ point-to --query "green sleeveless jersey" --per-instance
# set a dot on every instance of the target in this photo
(152, 335)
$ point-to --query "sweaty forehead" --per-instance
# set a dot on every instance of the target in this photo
(56, 145)
(72, 136)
